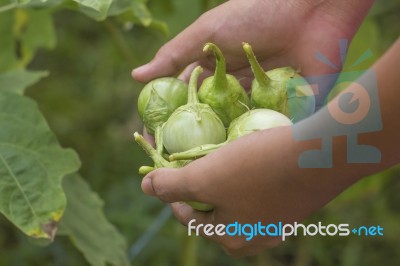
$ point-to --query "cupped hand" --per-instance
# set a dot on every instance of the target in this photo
(253, 179)
(281, 33)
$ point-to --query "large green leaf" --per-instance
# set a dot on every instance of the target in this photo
(85, 224)
(18, 80)
(32, 165)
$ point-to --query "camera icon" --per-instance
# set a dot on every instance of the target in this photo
(348, 114)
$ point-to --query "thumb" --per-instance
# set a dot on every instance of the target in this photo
(174, 56)
(168, 184)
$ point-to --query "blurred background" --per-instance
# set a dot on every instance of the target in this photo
(89, 100)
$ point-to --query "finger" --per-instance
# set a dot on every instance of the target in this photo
(197, 222)
(185, 213)
(169, 185)
(185, 75)
(236, 246)
(192, 218)
(175, 55)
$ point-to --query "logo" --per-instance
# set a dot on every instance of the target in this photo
(281, 230)
(349, 114)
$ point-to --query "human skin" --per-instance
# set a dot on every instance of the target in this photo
(263, 181)
(257, 177)
(282, 33)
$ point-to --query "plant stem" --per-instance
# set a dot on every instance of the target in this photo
(8, 7)
(144, 170)
(192, 93)
(196, 152)
(219, 80)
(259, 73)
(158, 160)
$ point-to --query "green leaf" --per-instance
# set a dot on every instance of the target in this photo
(42, 3)
(38, 21)
(142, 13)
(119, 6)
(96, 9)
(32, 165)
(160, 26)
(85, 224)
(132, 11)
(18, 80)
(23, 31)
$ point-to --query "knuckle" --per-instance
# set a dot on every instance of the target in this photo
(160, 190)
(165, 184)
(174, 60)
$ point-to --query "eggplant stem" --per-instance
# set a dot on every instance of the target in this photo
(144, 170)
(258, 71)
(219, 80)
(196, 152)
(158, 160)
(192, 93)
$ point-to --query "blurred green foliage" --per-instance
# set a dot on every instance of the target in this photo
(89, 100)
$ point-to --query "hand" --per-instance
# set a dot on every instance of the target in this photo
(262, 181)
(257, 177)
(253, 179)
(281, 33)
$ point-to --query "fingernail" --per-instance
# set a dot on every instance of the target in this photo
(147, 186)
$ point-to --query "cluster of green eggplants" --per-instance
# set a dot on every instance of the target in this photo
(189, 123)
